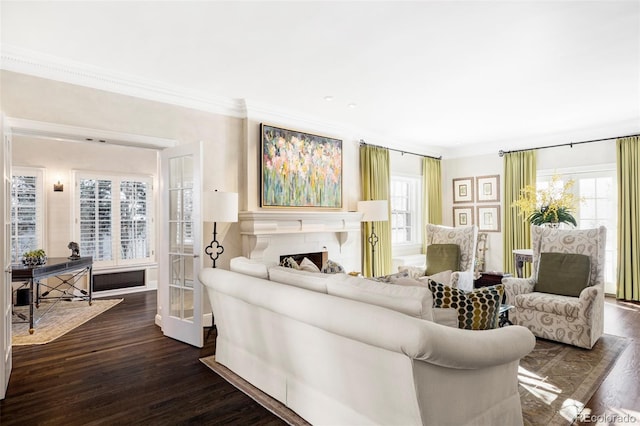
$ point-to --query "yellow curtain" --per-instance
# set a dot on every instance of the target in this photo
(628, 171)
(519, 171)
(431, 195)
(375, 178)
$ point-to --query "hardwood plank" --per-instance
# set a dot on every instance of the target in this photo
(119, 368)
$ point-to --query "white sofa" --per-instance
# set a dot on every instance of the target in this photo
(339, 361)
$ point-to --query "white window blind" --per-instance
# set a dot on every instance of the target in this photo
(27, 211)
(96, 218)
(134, 219)
(114, 220)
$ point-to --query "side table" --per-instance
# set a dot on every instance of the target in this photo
(489, 278)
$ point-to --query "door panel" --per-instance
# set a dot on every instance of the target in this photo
(5, 255)
(180, 291)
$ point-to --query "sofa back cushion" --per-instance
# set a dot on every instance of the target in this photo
(415, 301)
(442, 257)
(315, 281)
(249, 267)
(566, 274)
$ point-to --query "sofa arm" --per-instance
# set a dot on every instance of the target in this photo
(516, 286)
(589, 295)
(474, 349)
(446, 316)
(462, 280)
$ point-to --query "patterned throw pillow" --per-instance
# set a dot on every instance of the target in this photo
(477, 310)
(332, 267)
(289, 262)
(390, 279)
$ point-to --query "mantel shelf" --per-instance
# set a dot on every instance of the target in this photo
(259, 228)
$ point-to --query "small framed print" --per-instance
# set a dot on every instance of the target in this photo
(488, 188)
(488, 218)
(463, 190)
(462, 216)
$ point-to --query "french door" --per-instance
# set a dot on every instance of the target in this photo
(5, 255)
(180, 292)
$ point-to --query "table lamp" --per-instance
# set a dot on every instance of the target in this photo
(219, 207)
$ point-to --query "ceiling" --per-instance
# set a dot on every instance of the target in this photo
(430, 77)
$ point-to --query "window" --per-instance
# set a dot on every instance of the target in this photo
(113, 218)
(27, 209)
(405, 210)
(597, 188)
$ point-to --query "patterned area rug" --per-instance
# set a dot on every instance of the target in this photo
(556, 380)
(54, 320)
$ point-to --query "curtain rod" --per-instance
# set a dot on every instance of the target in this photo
(501, 153)
(362, 142)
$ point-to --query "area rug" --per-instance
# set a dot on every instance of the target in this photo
(555, 381)
(63, 317)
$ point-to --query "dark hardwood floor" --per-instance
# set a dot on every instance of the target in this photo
(617, 400)
(119, 369)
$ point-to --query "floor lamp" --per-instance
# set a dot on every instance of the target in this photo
(219, 207)
(373, 211)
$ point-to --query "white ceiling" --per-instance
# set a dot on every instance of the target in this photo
(425, 76)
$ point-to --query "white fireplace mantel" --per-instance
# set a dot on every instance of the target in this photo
(260, 228)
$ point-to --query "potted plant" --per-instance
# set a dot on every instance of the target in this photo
(550, 206)
(34, 257)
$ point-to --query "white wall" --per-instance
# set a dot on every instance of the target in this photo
(485, 165)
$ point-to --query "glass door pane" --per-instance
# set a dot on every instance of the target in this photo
(181, 298)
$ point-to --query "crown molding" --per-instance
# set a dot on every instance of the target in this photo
(55, 68)
(67, 71)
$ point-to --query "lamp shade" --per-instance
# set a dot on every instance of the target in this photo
(374, 210)
(220, 206)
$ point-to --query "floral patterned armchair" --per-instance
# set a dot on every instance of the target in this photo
(466, 237)
(578, 321)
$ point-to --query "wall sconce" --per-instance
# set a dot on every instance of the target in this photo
(58, 187)
(219, 207)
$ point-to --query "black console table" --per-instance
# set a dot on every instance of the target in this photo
(67, 272)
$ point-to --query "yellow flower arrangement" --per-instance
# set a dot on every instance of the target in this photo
(553, 204)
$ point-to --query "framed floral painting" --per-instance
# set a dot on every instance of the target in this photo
(299, 169)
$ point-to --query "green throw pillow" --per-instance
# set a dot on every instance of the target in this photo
(566, 274)
(477, 309)
(442, 257)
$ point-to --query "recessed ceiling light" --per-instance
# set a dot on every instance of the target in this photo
(352, 105)
(328, 98)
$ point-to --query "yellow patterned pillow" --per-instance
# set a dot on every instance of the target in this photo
(477, 310)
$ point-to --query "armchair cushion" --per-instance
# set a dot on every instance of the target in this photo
(566, 306)
(477, 310)
(565, 274)
(442, 257)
